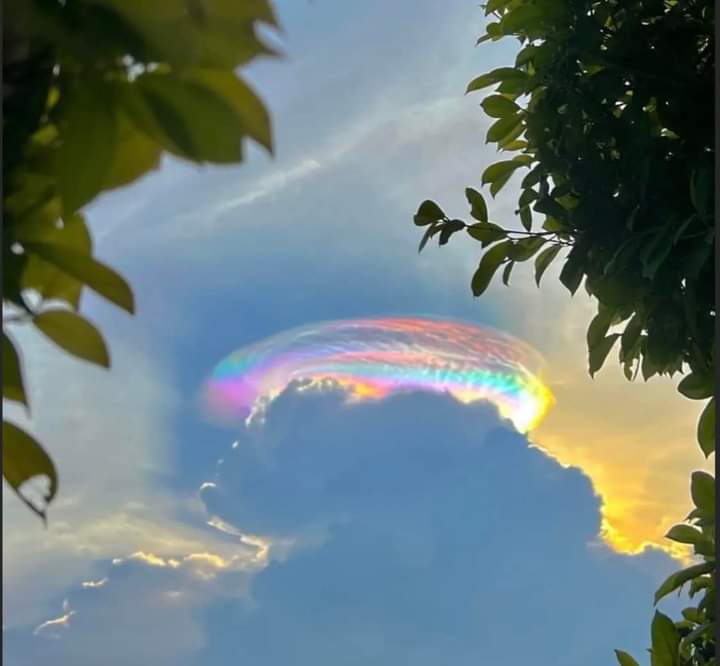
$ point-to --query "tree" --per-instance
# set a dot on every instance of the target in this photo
(94, 92)
(609, 109)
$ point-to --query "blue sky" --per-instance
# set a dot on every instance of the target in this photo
(415, 529)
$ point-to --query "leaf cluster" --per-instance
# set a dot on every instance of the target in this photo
(608, 112)
(691, 640)
(94, 93)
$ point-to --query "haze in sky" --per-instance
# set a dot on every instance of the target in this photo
(409, 528)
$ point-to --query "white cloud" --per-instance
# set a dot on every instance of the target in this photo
(109, 434)
(95, 583)
(53, 628)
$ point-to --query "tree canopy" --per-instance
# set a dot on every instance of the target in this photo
(608, 113)
(94, 93)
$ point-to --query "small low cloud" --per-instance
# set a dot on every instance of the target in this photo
(95, 583)
(54, 628)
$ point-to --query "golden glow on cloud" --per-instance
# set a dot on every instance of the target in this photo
(206, 565)
(635, 440)
(48, 629)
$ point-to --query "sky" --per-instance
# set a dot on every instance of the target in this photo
(414, 528)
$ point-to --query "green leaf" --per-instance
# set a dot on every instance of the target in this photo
(707, 603)
(702, 491)
(525, 55)
(497, 185)
(701, 184)
(495, 5)
(190, 109)
(599, 352)
(506, 272)
(13, 387)
(648, 367)
(525, 248)
(679, 578)
(665, 641)
(631, 333)
(572, 273)
(550, 207)
(532, 177)
(478, 207)
(46, 279)
(33, 213)
(238, 95)
(13, 266)
(489, 263)
(487, 233)
(427, 213)
(526, 218)
(520, 18)
(624, 659)
(696, 386)
(492, 31)
(685, 534)
(449, 228)
(502, 128)
(527, 197)
(87, 143)
(511, 137)
(697, 584)
(513, 145)
(87, 270)
(514, 86)
(656, 252)
(693, 615)
(706, 547)
(433, 229)
(499, 170)
(705, 628)
(51, 283)
(699, 256)
(543, 260)
(74, 334)
(524, 159)
(136, 153)
(70, 231)
(219, 34)
(706, 429)
(24, 459)
(598, 327)
(496, 76)
(498, 106)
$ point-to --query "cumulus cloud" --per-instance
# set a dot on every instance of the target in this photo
(415, 528)
(423, 531)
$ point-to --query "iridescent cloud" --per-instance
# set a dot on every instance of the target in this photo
(372, 358)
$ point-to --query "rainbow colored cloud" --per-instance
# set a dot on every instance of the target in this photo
(373, 358)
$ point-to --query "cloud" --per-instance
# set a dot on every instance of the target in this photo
(52, 628)
(324, 232)
(142, 611)
(143, 615)
(415, 528)
(110, 434)
(635, 440)
(95, 583)
(421, 527)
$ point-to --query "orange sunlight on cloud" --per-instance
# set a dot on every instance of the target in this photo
(635, 440)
